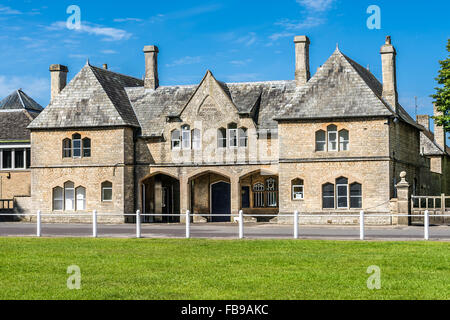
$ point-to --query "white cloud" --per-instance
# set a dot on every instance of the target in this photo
(276, 36)
(316, 5)
(247, 40)
(37, 88)
(243, 77)
(109, 52)
(185, 61)
(308, 23)
(109, 34)
(241, 62)
(128, 20)
(8, 10)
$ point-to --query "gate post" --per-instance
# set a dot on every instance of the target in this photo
(138, 224)
(403, 200)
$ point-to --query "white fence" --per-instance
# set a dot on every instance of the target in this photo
(239, 218)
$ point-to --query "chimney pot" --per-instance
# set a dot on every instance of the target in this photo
(58, 74)
(105, 66)
(302, 71)
(151, 80)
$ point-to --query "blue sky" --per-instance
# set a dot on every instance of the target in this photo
(236, 40)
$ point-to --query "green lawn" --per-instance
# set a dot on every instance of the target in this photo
(208, 269)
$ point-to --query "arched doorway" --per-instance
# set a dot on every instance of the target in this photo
(161, 196)
(221, 201)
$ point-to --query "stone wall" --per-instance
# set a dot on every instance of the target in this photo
(14, 184)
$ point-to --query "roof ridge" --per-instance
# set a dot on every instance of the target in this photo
(20, 98)
(117, 73)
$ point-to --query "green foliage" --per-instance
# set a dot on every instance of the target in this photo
(442, 96)
(116, 269)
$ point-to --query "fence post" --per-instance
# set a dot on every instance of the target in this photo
(361, 225)
(296, 225)
(138, 224)
(241, 224)
(38, 224)
(426, 223)
(94, 224)
(188, 224)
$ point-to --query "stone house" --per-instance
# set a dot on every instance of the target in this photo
(332, 143)
(16, 113)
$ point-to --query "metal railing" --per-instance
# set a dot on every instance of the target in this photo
(240, 219)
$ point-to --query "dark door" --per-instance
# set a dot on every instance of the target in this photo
(245, 197)
(221, 201)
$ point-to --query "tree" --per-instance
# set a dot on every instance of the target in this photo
(442, 96)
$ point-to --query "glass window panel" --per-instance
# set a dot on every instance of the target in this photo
(328, 196)
(243, 138)
(86, 148)
(222, 138)
(176, 139)
(196, 139)
(67, 148)
(19, 161)
(321, 141)
(81, 198)
(297, 192)
(107, 191)
(28, 154)
(69, 196)
(233, 134)
(186, 138)
(7, 159)
(58, 199)
(343, 140)
(77, 148)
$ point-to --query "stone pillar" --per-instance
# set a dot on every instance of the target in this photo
(184, 198)
(235, 196)
(388, 60)
(403, 202)
(302, 73)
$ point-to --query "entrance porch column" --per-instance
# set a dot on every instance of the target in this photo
(235, 195)
(184, 198)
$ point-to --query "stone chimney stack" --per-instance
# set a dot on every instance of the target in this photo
(439, 133)
(388, 59)
(58, 75)
(424, 121)
(302, 73)
(151, 80)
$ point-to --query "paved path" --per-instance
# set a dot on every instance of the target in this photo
(225, 231)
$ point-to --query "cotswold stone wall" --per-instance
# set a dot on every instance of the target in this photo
(15, 184)
(111, 160)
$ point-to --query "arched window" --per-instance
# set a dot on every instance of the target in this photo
(342, 193)
(243, 138)
(258, 195)
(222, 138)
(356, 196)
(67, 148)
(81, 198)
(232, 135)
(176, 139)
(272, 188)
(186, 137)
(196, 139)
(332, 138)
(321, 141)
(298, 192)
(58, 199)
(69, 196)
(76, 145)
(86, 147)
(107, 192)
(328, 196)
(343, 140)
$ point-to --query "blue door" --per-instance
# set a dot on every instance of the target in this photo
(221, 201)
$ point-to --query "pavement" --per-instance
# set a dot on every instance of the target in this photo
(227, 231)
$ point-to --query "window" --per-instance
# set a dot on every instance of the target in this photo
(19, 161)
(272, 199)
(107, 191)
(67, 148)
(328, 196)
(233, 135)
(86, 147)
(222, 138)
(356, 196)
(332, 138)
(28, 157)
(176, 140)
(76, 145)
(58, 199)
(243, 138)
(321, 141)
(69, 196)
(196, 139)
(343, 140)
(186, 137)
(258, 195)
(7, 159)
(342, 193)
(81, 198)
(298, 189)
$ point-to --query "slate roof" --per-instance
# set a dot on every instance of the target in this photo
(19, 100)
(341, 88)
(428, 145)
(94, 98)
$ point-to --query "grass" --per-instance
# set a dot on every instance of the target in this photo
(211, 269)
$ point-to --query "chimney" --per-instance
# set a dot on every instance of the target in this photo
(302, 73)
(388, 58)
(58, 75)
(424, 121)
(439, 133)
(105, 66)
(151, 80)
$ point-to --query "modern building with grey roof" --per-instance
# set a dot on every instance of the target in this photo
(331, 143)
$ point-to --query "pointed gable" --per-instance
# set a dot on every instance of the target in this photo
(94, 98)
(19, 100)
(339, 89)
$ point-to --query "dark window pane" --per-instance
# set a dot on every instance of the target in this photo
(77, 148)
(342, 191)
(86, 148)
(355, 190)
(342, 202)
(7, 159)
(342, 181)
(356, 202)
(328, 190)
(28, 158)
(19, 162)
(328, 203)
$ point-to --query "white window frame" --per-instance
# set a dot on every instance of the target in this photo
(322, 142)
(329, 197)
(296, 193)
(69, 203)
(74, 141)
(355, 197)
(103, 192)
(243, 138)
(272, 193)
(344, 142)
(233, 138)
(330, 141)
(339, 197)
(223, 140)
(80, 200)
(175, 140)
(186, 137)
(60, 199)
(259, 195)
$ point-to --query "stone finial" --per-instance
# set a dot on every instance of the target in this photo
(302, 72)
(403, 176)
